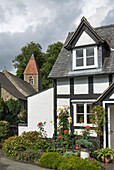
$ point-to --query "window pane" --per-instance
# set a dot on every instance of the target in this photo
(79, 62)
(80, 108)
(80, 118)
(88, 119)
(88, 108)
(90, 61)
(79, 53)
(90, 51)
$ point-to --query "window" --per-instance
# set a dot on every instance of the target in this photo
(81, 113)
(31, 80)
(84, 58)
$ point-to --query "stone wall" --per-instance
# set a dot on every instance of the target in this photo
(6, 95)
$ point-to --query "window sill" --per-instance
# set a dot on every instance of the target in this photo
(84, 125)
(84, 68)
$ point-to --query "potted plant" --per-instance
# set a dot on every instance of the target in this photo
(84, 143)
(105, 154)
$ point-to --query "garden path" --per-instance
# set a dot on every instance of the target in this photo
(9, 164)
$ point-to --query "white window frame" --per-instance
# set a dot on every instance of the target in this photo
(84, 57)
(85, 114)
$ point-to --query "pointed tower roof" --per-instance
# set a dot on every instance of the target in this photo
(32, 66)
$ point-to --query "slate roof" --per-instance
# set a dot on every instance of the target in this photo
(23, 85)
(63, 66)
(9, 87)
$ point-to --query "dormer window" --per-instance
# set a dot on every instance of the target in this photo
(84, 58)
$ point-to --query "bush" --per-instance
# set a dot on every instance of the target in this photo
(2, 109)
(29, 156)
(14, 108)
(71, 154)
(74, 163)
(3, 130)
(50, 160)
(29, 140)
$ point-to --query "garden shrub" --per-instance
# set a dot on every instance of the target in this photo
(29, 156)
(29, 140)
(3, 130)
(50, 160)
(71, 154)
(74, 163)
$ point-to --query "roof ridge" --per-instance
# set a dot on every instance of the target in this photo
(104, 26)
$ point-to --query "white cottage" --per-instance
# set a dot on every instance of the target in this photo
(83, 74)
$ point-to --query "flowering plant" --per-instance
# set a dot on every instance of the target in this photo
(64, 139)
(84, 141)
(64, 119)
(41, 128)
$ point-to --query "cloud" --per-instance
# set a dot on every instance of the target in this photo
(45, 22)
(109, 19)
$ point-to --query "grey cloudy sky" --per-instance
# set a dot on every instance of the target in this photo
(45, 22)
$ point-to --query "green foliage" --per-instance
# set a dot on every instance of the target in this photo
(3, 130)
(70, 153)
(50, 160)
(2, 109)
(64, 140)
(21, 60)
(105, 152)
(44, 60)
(74, 163)
(14, 107)
(22, 116)
(50, 58)
(29, 156)
(29, 140)
(84, 143)
(97, 118)
(64, 120)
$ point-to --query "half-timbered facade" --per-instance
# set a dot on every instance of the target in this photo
(83, 74)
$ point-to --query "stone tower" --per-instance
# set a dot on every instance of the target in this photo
(32, 74)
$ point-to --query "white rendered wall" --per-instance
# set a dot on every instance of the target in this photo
(63, 86)
(84, 39)
(100, 83)
(81, 85)
(112, 96)
(62, 102)
(40, 109)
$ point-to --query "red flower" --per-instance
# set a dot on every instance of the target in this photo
(52, 139)
(87, 127)
(65, 131)
(56, 139)
(59, 136)
(39, 123)
(76, 147)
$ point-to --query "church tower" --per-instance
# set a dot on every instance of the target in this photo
(32, 74)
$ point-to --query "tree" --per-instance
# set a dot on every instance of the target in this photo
(21, 60)
(50, 58)
(2, 109)
(14, 108)
(97, 118)
(44, 60)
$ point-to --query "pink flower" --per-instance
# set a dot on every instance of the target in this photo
(87, 127)
(65, 131)
(39, 123)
